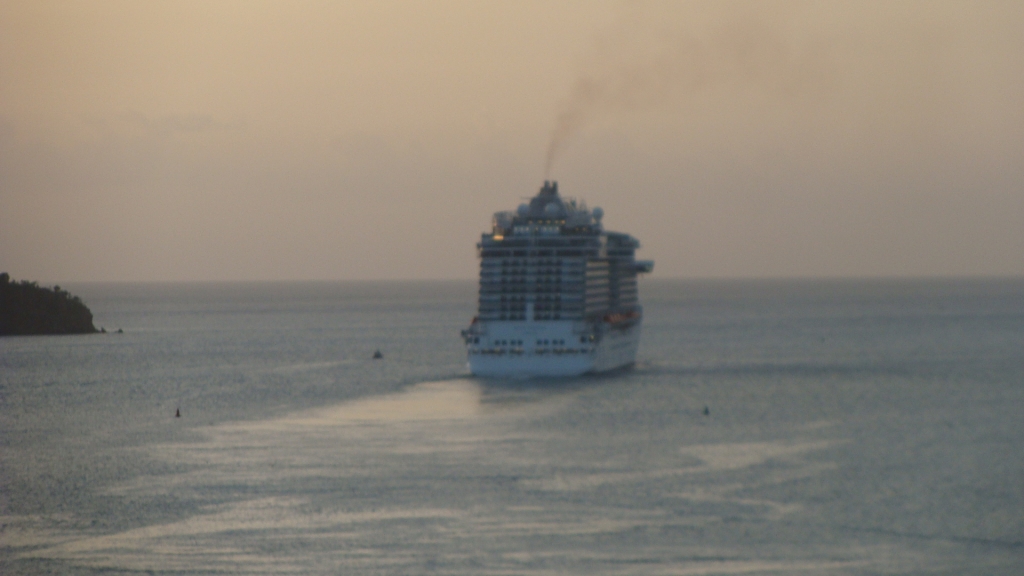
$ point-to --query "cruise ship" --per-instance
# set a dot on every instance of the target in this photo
(558, 294)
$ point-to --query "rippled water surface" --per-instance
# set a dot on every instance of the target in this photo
(868, 427)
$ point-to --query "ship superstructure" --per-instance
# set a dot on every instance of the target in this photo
(558, 294)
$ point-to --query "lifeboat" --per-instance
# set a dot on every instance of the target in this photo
(617, 319)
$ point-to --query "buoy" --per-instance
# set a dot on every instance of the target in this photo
(707, 411)
(177, 413)
(377, 355)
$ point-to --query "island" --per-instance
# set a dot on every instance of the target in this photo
(26, 308)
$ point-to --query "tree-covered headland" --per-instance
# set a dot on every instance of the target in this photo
(26, 308)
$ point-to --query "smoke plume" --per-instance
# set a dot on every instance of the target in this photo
(648, 62)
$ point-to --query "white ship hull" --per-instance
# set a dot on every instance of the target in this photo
(501, 356)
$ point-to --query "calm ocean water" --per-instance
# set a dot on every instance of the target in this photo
(854, 427)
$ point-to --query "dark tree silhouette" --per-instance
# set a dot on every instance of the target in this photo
(26, 308)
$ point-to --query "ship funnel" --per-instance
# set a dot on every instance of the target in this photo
(550, 188)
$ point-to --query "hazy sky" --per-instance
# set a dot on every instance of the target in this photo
(373, 140)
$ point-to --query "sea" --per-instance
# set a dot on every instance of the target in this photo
(811, 427)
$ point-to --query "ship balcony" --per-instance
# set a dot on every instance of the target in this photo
(643, 266)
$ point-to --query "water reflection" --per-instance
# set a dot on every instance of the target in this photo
(448, 400)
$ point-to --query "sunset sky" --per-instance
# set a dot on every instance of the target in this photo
(184, 141)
